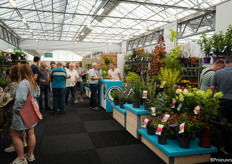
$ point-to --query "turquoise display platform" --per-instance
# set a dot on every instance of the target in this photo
(123, 111)
(87, 88)
(136, 110)
(172, 148)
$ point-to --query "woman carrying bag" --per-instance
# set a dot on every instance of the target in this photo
(25, 115)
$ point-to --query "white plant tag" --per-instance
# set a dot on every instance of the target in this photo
(145, 122)
(163, 84)
(181, 130)
(166, 117)
(144, 94)
(159, 129)
(153, 110)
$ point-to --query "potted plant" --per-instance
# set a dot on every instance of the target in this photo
(122, 101)
(218, 43)
(206, 46)
(115, 96)
(174, 127)
(162, 137)
(208, 106)
(137, 94)
(228, 39)
(150, 128)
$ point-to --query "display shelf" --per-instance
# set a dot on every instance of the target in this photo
(172, 153)
(119, 114)
(134, 119)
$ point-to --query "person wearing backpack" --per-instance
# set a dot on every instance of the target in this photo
(208, 73)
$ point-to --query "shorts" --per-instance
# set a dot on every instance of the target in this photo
(79, 85)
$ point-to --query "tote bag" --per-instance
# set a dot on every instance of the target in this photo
(30, 112)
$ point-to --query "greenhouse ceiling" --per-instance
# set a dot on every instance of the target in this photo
(108, 21)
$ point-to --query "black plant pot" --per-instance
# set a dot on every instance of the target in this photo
(121, 105)
(141, 102)
(184, 142)
(136, 104)
(171, 137)
(150, 130)
(14, 58)
(162, 140)
(116, 102)
(146, 105)
(129, 102)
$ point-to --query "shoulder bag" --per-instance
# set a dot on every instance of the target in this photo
(30, 112)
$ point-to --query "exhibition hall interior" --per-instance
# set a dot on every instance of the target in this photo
(115, 81)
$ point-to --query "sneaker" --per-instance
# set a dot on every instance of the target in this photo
(82, 99)
(90, 107)
(29, 158)
(19, 161)
(25, 144)
(96, 108)
(9, 149)
(76, 101)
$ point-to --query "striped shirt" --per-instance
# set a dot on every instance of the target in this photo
(205, 78)
(58, 76)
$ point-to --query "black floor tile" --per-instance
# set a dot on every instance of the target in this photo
(112, 138)
(59, 119)
(64, 129)
(66, 143)
(136, 154)
(79, 157)
(96, 116)
(102, 125)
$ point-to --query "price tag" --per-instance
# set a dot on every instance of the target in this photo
(181, 130)
(196, 110)
(144, 94)
(159, 129)
(166, 117)
(179, 107)
(153, 110)
(223, 50)
(145, 123)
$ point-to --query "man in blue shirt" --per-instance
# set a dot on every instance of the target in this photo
(58, 77)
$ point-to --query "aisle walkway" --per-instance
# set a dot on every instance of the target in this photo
(83, 136)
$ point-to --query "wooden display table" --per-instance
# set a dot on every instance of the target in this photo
(119, 114)
(87, 92)
(135, 118)
(173, 154)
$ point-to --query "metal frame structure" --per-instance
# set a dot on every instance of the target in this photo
(109, 21)
(8, 36)
(186, 28)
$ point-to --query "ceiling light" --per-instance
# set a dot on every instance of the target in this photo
(75, 42)
(82, 33)
(13, 4)
(100, 11)
(30, 30)
(24, 21)
(34, 37)
(77, 39)
(36, 40)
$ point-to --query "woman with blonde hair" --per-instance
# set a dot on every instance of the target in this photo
(26, 78)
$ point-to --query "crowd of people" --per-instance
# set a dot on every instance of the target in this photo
(38, 80)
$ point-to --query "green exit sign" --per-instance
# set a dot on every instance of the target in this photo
(48, 55)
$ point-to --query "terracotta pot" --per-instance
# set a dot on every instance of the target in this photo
(205, 137)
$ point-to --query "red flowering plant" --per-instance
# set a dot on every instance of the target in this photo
(160, 49)
(192, 126)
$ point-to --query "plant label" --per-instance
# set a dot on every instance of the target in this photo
(159, 129)
(153, 110)
(166, 117)
(196, 110)
(163, 84)
(223, 50)
(179, 107)
(181, 130)
(211, 51)
(173, 103)
(145, 122)
(142, 59)
(144, 94)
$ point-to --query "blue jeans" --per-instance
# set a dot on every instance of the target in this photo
(72, 89)
(58, 99)
(44, 89)
(79, 85)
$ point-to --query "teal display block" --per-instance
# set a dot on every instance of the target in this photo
(137, 111)
(172, 148)
(106, 87)
(123, 111)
